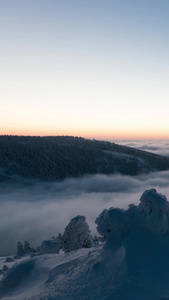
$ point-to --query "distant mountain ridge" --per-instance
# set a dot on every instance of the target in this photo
(58, 157)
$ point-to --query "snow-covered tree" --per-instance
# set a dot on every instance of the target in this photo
(27, 248)
(20, 249)
(77, 234)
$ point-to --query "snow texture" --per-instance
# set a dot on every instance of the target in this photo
(132, 264)
(155, 208)
(113, 224)
(50, 246)
(77, 235)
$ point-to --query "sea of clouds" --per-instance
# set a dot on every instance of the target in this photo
(160, 147)
(37, 211)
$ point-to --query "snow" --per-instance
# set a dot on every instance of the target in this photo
(50, 246)
(155, 207)
(114, 225)
(77, 234)
(132, 264)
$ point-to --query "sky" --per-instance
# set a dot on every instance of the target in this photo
(93, 68)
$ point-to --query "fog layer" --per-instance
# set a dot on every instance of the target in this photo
(160, 147)
(38, 211)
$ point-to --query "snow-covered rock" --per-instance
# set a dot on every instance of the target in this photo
(77, 234)
(50, 246)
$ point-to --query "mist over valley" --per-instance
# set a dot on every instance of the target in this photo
(34, 209)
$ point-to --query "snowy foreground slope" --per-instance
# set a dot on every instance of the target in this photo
(132, 264)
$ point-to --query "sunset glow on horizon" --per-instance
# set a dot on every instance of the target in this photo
(95, 69)
(90, 134)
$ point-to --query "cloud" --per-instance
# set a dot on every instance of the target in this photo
(36, 211)
(160, 147)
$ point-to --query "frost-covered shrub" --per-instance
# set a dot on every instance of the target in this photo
(155, 209)
(113, 224)
(77, 234)
(50, 246)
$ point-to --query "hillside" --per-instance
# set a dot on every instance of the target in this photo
(56, 158)
(132, 264)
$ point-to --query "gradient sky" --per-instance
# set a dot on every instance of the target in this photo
(91, 68)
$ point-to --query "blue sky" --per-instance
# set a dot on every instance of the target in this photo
(88, 68)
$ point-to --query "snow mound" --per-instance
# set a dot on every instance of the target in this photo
(113, 224)
(155, 208)
(132, 264)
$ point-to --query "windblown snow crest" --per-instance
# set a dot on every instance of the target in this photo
(132, 263)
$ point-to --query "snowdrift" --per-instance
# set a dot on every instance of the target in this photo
(132, 264)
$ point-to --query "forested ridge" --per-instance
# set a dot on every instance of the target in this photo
(57, 157)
